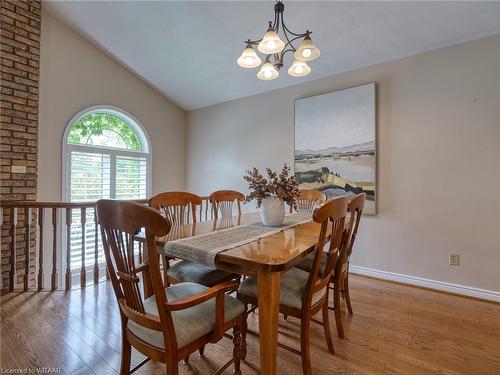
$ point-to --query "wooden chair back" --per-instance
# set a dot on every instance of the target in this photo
(120, 221)
(224, 201)
(355, 208)
(308, 200)
(225, 223)
(332, 216)
(177, 206)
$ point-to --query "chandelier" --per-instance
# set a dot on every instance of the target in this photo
(275, 49)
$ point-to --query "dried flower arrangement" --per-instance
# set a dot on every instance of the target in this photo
(281, 185)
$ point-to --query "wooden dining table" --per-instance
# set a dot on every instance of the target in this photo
(267, 259)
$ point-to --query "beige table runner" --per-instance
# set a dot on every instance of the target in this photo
(205, 247)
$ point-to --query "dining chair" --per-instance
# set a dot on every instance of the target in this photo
(303, 294)
(180, 209)
(340, 279)
(164, 324)
(309, 199)
(224, 201)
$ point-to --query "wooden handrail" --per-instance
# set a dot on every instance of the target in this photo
(28, 216)
(36, 204)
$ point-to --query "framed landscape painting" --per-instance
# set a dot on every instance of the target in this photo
(335, 148)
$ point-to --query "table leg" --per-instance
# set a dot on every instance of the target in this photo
(269, 294)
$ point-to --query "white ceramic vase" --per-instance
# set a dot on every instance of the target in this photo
(272, 211)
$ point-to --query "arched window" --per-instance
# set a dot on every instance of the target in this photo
(107, 155)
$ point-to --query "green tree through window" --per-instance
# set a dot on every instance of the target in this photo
(104, 129)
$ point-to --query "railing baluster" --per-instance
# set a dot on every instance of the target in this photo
(53, 284)
(96, 249)
(27, 226)
(139, 244)
(69, 221)
(34, 231)
(12, 272)
(206, 210)
(40, 248)
(83, 272)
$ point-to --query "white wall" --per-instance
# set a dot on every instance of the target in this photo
(75, 75)
(438, 158)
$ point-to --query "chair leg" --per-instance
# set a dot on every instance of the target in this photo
(346, 292)
(326, 327)
(305, 348)
(172, 368)
(244, 327)
(237, 346)
(337, 310)
(126, 355)
(202, 350)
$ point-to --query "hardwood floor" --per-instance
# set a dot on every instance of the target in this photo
(395, 329)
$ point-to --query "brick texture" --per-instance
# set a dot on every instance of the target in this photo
(19, 78)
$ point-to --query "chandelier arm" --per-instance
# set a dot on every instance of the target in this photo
(276, 21)
(290, 43)
(253, 42)
(286, 35)
(291, 32)
(285, 51)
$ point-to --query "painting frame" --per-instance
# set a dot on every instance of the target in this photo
(371, 208)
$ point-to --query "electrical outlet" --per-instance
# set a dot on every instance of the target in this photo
(454, 259)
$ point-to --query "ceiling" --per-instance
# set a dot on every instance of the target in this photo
(188, 50)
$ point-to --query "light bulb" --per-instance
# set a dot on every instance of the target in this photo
(307, 52)
(249, 58)
(299, 69)
(271, 45)
(267, 72)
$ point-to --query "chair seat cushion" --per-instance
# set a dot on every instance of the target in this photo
(189, 324)
(292, 288)
(186, 271)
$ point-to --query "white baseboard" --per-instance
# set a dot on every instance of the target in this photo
(488, 295)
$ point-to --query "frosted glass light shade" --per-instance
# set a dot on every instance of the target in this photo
(299, 69)
(307, 50)
(267, 72)
(249, 58)
(271, 43)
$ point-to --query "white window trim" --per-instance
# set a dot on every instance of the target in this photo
(66, 164)
(67, 148)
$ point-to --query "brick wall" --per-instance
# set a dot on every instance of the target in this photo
(20, 59)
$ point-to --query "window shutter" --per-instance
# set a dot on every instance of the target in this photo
(89, 176)
(131, 177)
